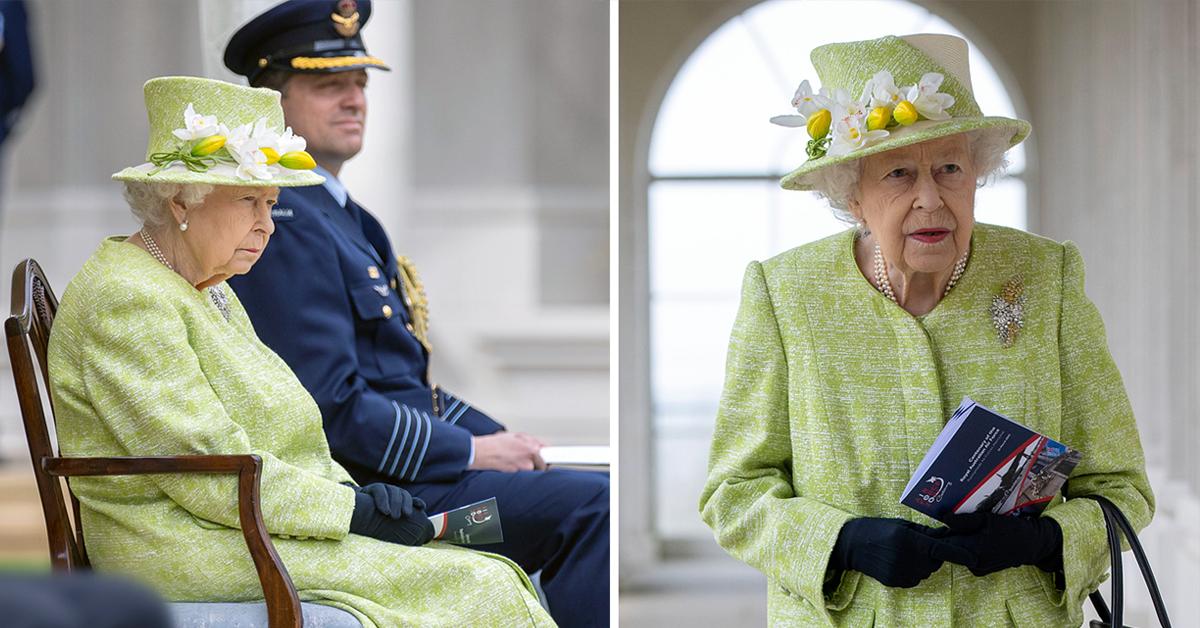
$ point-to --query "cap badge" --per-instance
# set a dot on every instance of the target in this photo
(345, 18)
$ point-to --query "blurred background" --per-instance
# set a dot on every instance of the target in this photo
(486, 158)
(1111, 164)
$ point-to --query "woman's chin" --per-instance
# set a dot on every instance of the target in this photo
(239, 267)
(931, 261)
(243, 261)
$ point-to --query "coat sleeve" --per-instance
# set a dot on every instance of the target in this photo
(749, 499)
(310, 323)
(460, 412)
(1097, 420)
(145, 382)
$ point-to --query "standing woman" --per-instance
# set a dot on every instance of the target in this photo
(152, 354)
(849, 354)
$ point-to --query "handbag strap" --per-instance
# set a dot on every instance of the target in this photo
(1102, 611)
(1118, 566)
(1117, 524)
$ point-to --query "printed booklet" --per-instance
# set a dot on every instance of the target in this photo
(473, 524)
(985, 462)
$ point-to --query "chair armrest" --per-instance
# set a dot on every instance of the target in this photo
(283, 605)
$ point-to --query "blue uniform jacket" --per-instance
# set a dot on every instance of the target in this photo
(16, 64)
(327, 296)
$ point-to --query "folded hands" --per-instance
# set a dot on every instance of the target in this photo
(390, 513)
(901, 553)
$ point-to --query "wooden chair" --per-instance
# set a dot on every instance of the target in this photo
(33, 308)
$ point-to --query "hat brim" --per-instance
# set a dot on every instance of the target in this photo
(922, 131)
(221, 174)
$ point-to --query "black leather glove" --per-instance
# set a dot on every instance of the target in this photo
(895, 552)
(390, 513)
(997, 542)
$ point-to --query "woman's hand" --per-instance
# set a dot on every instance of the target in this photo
(997, 542)
(390, 513)
(895, 552)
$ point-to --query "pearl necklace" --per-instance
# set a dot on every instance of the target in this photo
(884, 285)
(152, 246)
(216, 293)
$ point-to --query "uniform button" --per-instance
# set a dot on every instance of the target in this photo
(372, 272)
(409, 327)
(393, 284)
(387, 311)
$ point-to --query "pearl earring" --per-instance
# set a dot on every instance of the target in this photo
(183, 226)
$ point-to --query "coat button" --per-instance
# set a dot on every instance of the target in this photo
(409, 327)
(387, 311)
(393, 284)
(372, 272)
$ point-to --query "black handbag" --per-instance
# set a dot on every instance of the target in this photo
(1116, 525)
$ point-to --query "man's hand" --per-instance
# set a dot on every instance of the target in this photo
(508, 451)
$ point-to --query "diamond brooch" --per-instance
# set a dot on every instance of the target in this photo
(1008, 311)
(217, 294)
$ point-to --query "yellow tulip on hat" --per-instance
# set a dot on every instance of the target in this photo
(905, 113)
(297, 160)
(878, 118)
(818, 124)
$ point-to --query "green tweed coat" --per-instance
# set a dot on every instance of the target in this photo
(833, 394)
(143, 364)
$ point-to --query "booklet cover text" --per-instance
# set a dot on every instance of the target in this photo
(985, 462)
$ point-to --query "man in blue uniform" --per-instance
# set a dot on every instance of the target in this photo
(349, 316)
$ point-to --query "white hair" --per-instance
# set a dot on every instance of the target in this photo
(837, 183)
(150, 200)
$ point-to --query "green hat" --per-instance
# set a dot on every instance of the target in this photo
(885, 93)
(206, 131)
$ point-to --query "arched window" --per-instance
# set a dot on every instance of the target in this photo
(714, 204)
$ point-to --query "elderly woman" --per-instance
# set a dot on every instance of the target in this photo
(849, 354)
(152, 354)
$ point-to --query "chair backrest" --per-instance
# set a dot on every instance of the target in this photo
(28, 330)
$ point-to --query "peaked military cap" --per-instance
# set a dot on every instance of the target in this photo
(311, 36)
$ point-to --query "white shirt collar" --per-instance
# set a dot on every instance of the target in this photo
(333, 186)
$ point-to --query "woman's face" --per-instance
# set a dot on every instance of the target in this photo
(918, 202)
(228, 232)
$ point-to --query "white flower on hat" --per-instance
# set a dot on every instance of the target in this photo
(282, 150)
(806, 103)
(883, 91)
(845, 108)
(289, 142)
(850, 134)
(275, 145)
(925, 97)
(243, 146)
(196, 126)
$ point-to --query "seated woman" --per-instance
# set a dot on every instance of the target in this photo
(849, 354)
(152, 354)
